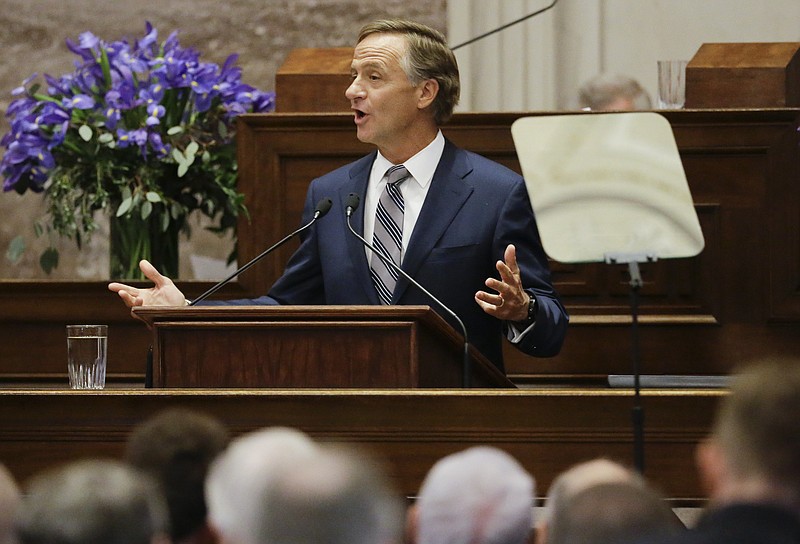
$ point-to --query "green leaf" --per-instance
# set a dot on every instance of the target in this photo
(206, 156)
(178, 156)
(191, 149)
(16, 248)
(105, 138)
(175, 210)
(124, 206)
(126, 193)
(152, 196)
(182, 169)
(85, 132)
(49, 259)
(175, 130)
(164, 222)
(147, 209)
(106, 67)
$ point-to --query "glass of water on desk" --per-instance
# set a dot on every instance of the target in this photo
(86, 356)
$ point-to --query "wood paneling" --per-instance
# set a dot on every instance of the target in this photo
(546, 431)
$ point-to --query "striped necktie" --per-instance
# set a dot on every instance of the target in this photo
(388, 235)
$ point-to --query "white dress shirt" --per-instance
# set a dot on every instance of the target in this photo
(421, 167)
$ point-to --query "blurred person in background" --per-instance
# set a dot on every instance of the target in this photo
(239, 478)
(339, 495)
(481, 495)
(176, 447)
(93, 502)
(10, 500)
(613, 92)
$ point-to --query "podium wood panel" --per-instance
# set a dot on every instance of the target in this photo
(744, 75)
(310, 346)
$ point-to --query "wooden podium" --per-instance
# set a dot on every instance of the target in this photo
(310, 347)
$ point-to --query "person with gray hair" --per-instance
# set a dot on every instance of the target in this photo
(10, 500)
(576, 479)
(613, 92)
(242, 474)
(481, 495)
(93, 502)
(339, 495)
(612, 513)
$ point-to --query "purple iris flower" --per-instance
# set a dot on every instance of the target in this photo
(162, 150)
(132, 94)
(80, 102)
(155, 113)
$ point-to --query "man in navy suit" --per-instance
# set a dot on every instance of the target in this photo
(467, 225)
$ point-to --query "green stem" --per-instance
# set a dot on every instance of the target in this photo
(134, 239)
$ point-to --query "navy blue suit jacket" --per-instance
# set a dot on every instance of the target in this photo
(473, 210)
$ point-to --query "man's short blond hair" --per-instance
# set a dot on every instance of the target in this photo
(427, 57)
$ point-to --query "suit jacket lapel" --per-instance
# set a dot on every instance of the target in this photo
(447, 194)
(357, 183)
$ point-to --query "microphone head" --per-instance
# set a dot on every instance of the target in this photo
(353, 200)
(323, 207)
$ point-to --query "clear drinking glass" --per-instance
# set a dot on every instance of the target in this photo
(671, 84)
(86, 356)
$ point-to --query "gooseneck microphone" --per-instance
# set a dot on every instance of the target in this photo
(505, 26)
(353, 200)
(323, 207)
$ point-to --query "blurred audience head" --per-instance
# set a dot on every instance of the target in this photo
(240, 476)
(93, 502)
(176, 447)
(10, 500)
(612, 513)
(753, 453)
(613, 92)
(339, 495)
(481, 495)
(576, 479)
(586, 474)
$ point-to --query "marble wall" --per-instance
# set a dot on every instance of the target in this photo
(32, 34)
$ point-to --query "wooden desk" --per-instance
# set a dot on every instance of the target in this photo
(546, 430)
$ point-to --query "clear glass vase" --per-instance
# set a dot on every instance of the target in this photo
(134, 239)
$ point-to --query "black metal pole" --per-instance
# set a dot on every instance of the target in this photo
(637, 412)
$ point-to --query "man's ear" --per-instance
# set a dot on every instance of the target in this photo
(712, 466)
(428, 90)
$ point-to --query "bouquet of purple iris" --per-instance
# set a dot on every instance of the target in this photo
(142, 130)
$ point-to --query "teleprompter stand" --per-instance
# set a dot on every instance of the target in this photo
(610, 187)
